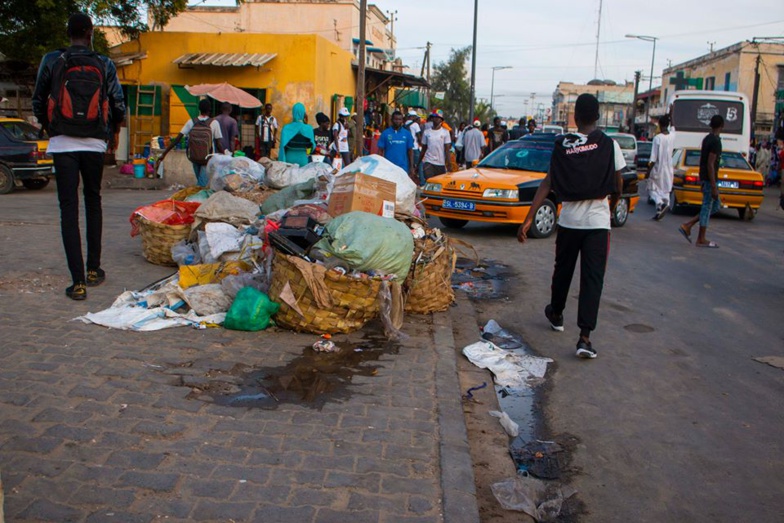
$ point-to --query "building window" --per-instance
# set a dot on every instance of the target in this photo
(710, 83)
(727, 78)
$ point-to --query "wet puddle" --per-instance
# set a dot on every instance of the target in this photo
(310, 379)
(481, 281)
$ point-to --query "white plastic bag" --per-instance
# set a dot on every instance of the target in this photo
(511, 369)
(222, 237)
(207, 299)
(380, 167)
(280, 175)
(511, 428)
(541, 500)
(241, 174)
(184, 253)
(216, 164)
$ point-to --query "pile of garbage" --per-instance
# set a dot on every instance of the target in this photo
(307, 248)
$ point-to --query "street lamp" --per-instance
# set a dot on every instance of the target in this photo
(472, 98)
(650, 80)
(492, 82)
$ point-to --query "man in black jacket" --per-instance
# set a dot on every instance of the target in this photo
(584, 169)
(79, 102)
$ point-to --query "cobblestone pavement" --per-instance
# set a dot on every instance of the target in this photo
(95, 427)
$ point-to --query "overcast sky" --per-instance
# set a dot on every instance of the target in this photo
(546, 41)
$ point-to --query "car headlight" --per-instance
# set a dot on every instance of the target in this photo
(433, 187)
(507, 194)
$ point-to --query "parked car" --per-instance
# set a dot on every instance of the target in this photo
(643, 157)
(740, 186)
(501, 188)
(628, 143)
(23, 158)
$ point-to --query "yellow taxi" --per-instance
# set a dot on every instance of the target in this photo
(501, 188)
(740, 186)
(27, 132)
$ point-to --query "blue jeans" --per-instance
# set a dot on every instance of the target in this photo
(709, 205)
(201, 174)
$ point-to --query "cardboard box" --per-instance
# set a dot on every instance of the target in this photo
(362, 192)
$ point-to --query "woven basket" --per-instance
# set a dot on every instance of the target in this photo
(157, 240)
(354, 301)
(184, 193)
(429, 286)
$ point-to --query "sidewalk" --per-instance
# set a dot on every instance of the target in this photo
(96, 425)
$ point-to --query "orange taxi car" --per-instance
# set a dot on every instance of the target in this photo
(501, 189)
(740, 186)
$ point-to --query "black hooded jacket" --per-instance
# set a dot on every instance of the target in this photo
(583, 168)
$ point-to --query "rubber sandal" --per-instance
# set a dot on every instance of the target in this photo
(709, 245)
(684, 234)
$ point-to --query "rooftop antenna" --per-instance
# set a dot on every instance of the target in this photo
(598, 32)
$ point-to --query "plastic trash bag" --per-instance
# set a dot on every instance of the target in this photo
(511, 428)
(369, 243)
(280, 175)
(205, 253)
(240, 174)
(235, 283)
(224, 207)
(250, 311)
(167, 212)
(511, 369)
(492, 331)
(380, 167)
(539, 499)
(286, 198)
(216, 164)
(184, 253)
(222, 237)
(207, 299)
(390, 297)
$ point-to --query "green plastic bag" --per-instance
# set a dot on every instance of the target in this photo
(250, 311)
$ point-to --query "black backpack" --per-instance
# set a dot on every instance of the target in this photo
(78, 102)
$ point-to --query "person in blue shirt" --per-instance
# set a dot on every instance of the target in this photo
(397, 145)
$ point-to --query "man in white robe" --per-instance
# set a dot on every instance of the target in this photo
(660, 168)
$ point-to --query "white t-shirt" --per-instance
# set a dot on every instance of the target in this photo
(72, 144)
(590, 214)
(415, 130)
(342, 142)
(436, 140)
(266, 124)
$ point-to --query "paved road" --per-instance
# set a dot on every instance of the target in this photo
(675, 419)
(95, 427)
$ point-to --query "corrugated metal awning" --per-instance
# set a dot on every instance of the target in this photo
(225, 59)
(121, 60)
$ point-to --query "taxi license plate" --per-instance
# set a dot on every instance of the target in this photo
(458, 205)
(727, 185)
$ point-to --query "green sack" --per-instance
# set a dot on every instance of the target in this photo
(369, 243)
(286, 197)
(250, 311)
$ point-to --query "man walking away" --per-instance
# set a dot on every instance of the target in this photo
(397, 145)
(340, 137)
(228, 126)
(660, 168)
(518, 131)
(584, 169)
(204, 139)
(436, 145)
(710, 155)
(473, 143)
(268, 131)
(498, 134)
(79, 102)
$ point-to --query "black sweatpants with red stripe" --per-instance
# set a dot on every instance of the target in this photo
(592, 246)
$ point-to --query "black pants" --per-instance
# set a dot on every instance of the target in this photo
(68, 166)
(265, 149)
(592, 246)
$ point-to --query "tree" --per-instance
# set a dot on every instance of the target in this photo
(451, 79)
(30, 28)
(483, 111)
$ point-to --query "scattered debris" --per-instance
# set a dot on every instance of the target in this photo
(539, 499)
(538, 458)
(509, 426)
(324, 346)
(773, 361)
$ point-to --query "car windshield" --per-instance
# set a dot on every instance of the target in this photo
(728, 160)
(626, 142)
(521, 156)
(644, 147)
(22, 130)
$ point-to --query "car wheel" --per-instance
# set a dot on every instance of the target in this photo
(36, 183)
(621, 213)
(675, 207)
(453, 223)
(746, 213)
(6, 180)
(544, 220)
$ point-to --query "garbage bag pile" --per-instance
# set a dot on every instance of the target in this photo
(225, 246)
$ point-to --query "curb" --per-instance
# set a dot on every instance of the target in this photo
(457, 475)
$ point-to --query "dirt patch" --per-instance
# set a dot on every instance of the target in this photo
(32, 283)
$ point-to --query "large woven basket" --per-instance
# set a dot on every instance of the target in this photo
(352, 301)
(429, 286)
(157, 240)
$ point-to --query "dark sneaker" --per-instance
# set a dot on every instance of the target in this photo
(95, 278)
(556, 320)
(584, 350)
(77, 291)
(661, 210)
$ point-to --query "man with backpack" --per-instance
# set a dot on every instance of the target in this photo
(204, 138)
(79, 102)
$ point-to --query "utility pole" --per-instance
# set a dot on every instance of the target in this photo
(426, 67)
(359, 133)
(472, 99)
(598, 33)
(632, 126)
(755, 97)
(392, 19)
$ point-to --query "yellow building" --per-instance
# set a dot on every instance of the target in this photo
(281, 69)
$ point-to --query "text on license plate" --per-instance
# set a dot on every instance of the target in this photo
(727, 185)
(458, 205)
